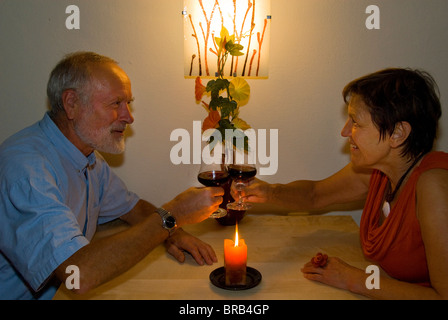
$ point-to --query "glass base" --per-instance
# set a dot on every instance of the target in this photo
(218, 213)
(239, 206)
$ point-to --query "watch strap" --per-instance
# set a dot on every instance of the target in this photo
(164, 214)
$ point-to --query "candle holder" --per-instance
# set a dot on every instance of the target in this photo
(218, 279)
(235, 275)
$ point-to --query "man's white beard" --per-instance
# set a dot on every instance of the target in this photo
(100, 139)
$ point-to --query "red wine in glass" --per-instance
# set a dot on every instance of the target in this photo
(213, 178)
(214, 175)
(241, 174)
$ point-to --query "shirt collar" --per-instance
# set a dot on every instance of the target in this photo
(68, 149)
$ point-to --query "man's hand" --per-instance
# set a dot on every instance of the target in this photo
(182, 241)
(195, 204)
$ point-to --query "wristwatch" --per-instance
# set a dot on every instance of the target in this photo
(168, 221)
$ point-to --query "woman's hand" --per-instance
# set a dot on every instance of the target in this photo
(255, 191)
(335, 273)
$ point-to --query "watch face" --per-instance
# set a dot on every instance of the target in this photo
(170, 222)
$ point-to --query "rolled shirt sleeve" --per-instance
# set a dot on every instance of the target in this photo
(37, 231)
(51, 199)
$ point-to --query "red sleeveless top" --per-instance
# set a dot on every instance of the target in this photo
(397, 244)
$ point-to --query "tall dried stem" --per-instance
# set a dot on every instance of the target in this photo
(240, 36)
(207, 34)
(260, 43)
(195, 35)
(252, 26)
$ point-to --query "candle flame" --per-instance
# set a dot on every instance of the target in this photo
(236, 235)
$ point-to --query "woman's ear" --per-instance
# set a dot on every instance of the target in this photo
(70, 102)
(401, 133)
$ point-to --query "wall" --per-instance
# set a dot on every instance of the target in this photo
(317, 46)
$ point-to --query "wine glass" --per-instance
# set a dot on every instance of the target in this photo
(214, 175)
(241, 174)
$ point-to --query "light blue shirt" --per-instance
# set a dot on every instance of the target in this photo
(51, 199)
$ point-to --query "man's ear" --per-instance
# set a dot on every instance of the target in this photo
(401, 133)
(70, 102)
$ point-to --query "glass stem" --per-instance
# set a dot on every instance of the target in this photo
(240, 186)
(240, 198)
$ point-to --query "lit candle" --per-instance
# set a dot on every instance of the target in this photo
(235, 260)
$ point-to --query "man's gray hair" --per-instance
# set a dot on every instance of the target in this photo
(72, 72)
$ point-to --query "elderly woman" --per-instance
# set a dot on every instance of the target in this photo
(391, 127)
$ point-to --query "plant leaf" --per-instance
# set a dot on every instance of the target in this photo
(240, 124)
(239, 89)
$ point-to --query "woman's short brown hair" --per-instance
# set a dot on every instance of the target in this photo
(394, 95)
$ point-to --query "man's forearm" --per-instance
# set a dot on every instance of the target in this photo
(106, 258)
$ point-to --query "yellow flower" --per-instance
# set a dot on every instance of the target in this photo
(240, 124)
(239, 89)
(225, 37)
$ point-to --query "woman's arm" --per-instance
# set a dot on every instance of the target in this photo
(339, 274)
(347, 185)
(432, 212)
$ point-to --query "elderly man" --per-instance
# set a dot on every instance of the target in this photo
(56, 188)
